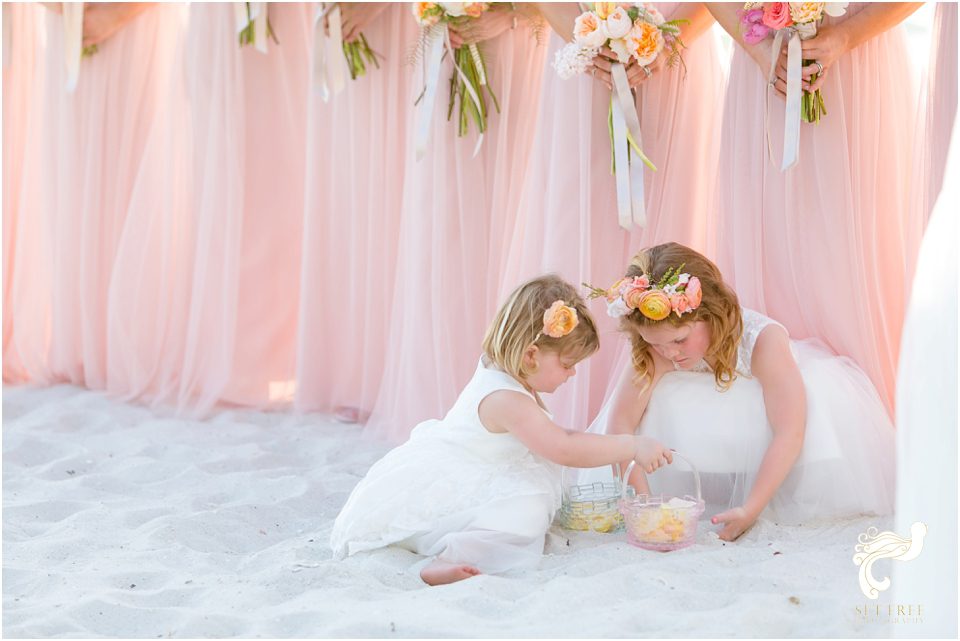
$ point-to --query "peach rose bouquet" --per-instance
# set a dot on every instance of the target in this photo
(634, 32)
(676, 292)
(469, 87)
(758, 20)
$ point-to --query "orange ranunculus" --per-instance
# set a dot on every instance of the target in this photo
(474, 9)
(644, 42)
(654, 304)
(632, 295)
(559, 320)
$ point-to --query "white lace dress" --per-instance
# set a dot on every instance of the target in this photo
(847, 463)
(456, 491)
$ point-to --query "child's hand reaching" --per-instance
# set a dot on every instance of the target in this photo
(650, 454)
(736, 521)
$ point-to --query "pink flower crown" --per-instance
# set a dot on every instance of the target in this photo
(675, 292)
(559, 320)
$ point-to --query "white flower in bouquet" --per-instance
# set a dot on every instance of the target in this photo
(835, 9)
(454, 9)
(617, 24)
(588, 31)
(618, 308)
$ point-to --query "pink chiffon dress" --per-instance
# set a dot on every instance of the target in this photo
(456, 211)
(825, 246)
(356, 165)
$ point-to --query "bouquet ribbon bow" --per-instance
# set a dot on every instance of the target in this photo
(631, 209)
(72, 41)
(329, 75)
(791, 115)
(438, 40)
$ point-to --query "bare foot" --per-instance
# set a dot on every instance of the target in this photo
(440, 572)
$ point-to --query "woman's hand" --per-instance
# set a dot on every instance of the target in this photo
(355, 16)
(826, 47)
(736, 521)
(636, 74)
(489, 25)
(101, 20)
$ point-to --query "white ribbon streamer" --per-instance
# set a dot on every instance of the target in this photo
(258, 16)
(7, 34)
(329, 73)
(72, 41)
(791, 114)
(631, 208)
(436, 38)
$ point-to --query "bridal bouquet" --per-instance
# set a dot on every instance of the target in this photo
(759, 19)
(469, 86)
(633, 31)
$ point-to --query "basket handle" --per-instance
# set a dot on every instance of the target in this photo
(696, 476)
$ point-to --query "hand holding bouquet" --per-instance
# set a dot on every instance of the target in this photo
(758, 20)
(636, 33)
(469, 85)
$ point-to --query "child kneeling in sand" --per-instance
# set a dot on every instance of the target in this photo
(478, 489)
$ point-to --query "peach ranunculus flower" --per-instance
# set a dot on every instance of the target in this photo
(587, 31)
(617, 24)
(421, 10)
(680, 304)
(632, 295)
(654, 304)
(604, 9)
(559, 320)
(693, 292)
(475, 9)
(644, 42)
(614, 291)
(776, 15)
(802, 12)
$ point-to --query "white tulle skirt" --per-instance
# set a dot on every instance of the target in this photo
(846, 466)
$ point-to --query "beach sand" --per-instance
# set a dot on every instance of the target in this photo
(124, 521)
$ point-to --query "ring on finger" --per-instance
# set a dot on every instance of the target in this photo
(819, 67)
(646, 70)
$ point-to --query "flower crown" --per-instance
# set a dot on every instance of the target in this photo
(675, 292)
(558, 321)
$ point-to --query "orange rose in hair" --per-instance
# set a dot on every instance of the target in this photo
(654, 304)
(559, 320)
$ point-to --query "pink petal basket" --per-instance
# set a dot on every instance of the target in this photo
(652, 524)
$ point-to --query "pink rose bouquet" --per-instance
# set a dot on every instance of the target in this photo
(760, 19)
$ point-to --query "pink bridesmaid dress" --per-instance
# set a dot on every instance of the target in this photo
(20, 59)
(566, 221)
(355, 174)
(825, 247)
(213, 261)
(456, 211)
(82, 157)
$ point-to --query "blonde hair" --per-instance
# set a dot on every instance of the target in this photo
(520, 320)
(720, 309)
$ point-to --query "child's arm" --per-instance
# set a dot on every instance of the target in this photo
(786, 403)
(517, 413)
(629, 403)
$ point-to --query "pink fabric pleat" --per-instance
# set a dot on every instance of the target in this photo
(213, 262)
(355, 169)
(456, 210)
(567, 215)
(83, 152)
(825, 247)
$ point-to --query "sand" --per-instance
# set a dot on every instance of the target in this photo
(125, 521)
